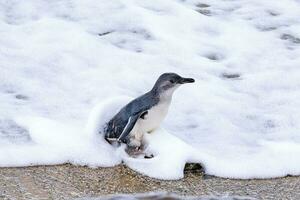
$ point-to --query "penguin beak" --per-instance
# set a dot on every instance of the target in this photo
(186, 80)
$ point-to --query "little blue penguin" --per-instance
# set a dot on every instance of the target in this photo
(145, 113)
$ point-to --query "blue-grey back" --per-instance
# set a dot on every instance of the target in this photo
(141, 104)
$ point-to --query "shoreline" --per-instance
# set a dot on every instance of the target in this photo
(69, 181)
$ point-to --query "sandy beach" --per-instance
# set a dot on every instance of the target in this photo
(69, 182)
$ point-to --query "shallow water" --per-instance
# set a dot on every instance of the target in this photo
(163, 196)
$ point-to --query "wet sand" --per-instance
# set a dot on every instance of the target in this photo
(69, 181)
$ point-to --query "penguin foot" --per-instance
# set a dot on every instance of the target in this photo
(134, 151)
(138, 152)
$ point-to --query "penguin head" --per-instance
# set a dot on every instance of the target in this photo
(168, 82)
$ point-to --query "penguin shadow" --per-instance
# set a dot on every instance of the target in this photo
(195, 168)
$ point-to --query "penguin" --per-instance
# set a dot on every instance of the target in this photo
(145, 113)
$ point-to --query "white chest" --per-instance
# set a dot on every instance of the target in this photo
(154, 117)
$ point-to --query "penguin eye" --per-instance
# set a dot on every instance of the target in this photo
(172, 81)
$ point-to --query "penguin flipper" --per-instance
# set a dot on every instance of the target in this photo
(129, 126)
